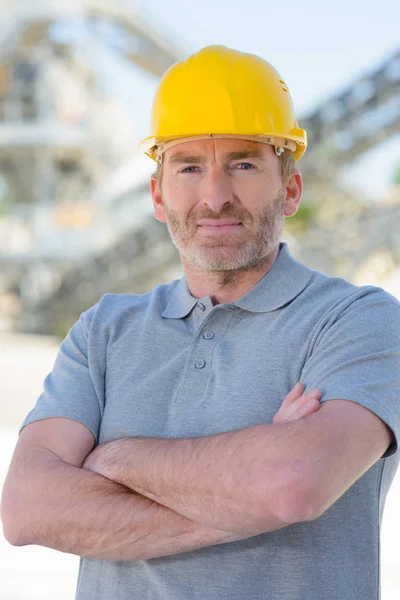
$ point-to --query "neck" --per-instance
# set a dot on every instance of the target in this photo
(227, 286)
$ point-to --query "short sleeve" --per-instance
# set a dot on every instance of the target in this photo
(356, 357)
(69, 390)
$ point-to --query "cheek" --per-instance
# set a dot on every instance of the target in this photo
(183, 186)
(251, 185)
(178, 199)
(256, 192)
(181, 194)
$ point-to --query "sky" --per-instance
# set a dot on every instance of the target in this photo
(319, 47)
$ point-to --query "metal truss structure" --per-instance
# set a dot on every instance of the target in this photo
(109, 240)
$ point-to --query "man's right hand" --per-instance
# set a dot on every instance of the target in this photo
(297, 405)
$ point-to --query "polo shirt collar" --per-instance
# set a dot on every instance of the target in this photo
(286, 279)
(181, 301)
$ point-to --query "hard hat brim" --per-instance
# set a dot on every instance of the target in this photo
(155, 147)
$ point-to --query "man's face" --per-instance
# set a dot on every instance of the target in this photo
(223, 202)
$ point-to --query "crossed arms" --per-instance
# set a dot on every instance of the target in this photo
(139, 498)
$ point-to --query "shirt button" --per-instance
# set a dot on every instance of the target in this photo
(199, 364)
(208, 335)
(201, 307)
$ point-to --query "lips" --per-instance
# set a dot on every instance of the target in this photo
(219, 227)
(219, 223)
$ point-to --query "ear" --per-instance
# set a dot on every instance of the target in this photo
(294, 190)
(158, 204)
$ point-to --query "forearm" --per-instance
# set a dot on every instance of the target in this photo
(83, 513)
(214, 480)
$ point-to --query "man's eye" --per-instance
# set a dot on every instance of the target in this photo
(245, 166)
(189, 169)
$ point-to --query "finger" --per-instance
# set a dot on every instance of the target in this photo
(303, 410)
(299, 411)
(293, 395)
(304, 399)
(315, 393)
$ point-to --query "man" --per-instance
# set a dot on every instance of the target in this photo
(203, 484)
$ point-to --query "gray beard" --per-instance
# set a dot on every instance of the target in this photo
(217, 257)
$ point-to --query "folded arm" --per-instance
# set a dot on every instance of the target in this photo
(53, 502)
(49, 500)
(252, 479)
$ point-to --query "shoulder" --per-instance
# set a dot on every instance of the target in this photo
(114, 311)
(353, 325)
(335, 297)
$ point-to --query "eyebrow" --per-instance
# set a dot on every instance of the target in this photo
(251, 153)
(182, 158)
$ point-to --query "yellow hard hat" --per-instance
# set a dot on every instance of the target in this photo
(219, 92)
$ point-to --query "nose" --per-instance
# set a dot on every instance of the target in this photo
(216, 190)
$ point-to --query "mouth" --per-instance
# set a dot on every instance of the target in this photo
(219, 227)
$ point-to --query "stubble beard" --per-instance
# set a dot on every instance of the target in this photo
(222, 254)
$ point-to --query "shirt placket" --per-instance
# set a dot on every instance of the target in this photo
(211, 324)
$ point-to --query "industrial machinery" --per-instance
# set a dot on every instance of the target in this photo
(75, 212)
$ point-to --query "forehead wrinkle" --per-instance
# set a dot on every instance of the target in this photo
(187, 157)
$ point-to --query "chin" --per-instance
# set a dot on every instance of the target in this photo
(222, 262)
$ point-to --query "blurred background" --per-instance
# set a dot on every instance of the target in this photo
(76, 84)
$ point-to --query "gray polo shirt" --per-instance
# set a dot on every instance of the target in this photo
(168, 364)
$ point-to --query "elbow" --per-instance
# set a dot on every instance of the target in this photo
(12, 532)
(294, 503)
(12, 523)
(276, 504)
(13, 536)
